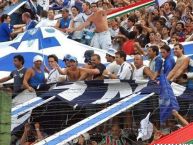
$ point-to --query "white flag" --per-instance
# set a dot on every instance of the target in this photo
(146, 129)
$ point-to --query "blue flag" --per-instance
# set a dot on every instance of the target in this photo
(168, 101)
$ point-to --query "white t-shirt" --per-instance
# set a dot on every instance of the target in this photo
(53, 76)
(125, 71)
(78, 20)
(113, 67)
(138, 73)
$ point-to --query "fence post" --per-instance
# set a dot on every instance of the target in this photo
(5, 117)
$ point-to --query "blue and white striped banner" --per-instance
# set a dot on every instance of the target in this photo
(91, 122)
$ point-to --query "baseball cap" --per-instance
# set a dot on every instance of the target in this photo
(66, 57)
(38, 58)
(88, 53)
(111, 52)
(72, 58)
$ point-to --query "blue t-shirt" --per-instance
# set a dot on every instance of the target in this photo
(37, 79)
(64, 23)
(158, 64)
(169, 64)
(5, 32)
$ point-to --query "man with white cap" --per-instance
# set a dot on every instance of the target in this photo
(35, 75)
(112, 67)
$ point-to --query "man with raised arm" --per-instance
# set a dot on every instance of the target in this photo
(102, 37)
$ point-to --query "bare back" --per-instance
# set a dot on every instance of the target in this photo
(99, 18)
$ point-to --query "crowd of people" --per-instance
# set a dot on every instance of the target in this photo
(146, 33)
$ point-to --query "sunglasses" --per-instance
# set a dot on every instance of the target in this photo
(65, 60)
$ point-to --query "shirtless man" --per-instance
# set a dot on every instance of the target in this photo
(181, 63)
(73, 72)
(102, 37)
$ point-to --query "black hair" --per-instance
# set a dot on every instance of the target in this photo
(166, 27)
(155, 49)
(20, 58)
(156, 18)
(121, 54)
(54, 57)
(173, 4)
(131, 18)
(87, 55)
(123, 31)
(94, 4)
(3, 17)
(162, 21)
(139, 28)
(76, 8)
(166, 48)
(180, 46)
(152, 32)
(88, 4)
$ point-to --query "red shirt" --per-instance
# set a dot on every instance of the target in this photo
(128, 47)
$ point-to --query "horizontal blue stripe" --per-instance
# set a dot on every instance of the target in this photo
(27, 106)
(94, 120)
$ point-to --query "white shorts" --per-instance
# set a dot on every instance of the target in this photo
(102, 40)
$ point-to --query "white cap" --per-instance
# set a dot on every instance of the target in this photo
(111, 52)
(38, 58)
